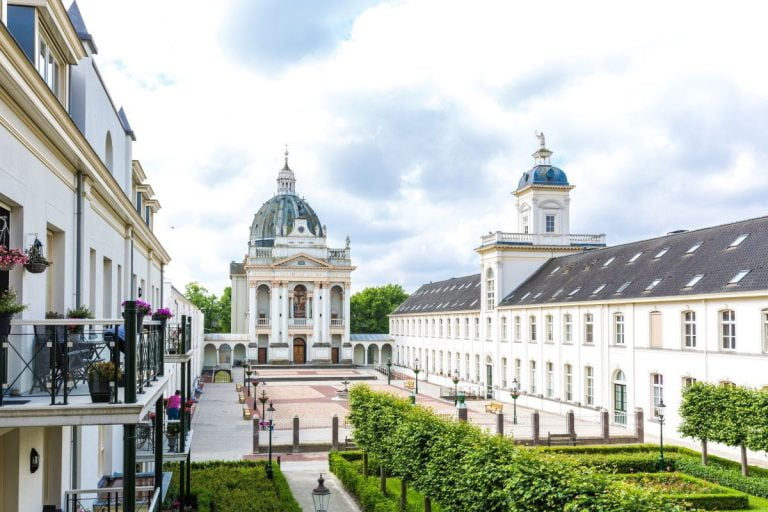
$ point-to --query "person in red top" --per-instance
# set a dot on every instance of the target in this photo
(174, 406)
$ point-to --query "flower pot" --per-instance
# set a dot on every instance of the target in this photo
(173, 441)
(36, 268)
(139, 323)
(7, 268)
(99, 389)
(5, 323)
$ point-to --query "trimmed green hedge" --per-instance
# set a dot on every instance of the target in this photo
(366, 490)
(236, 486)
(711, 497)
(754, 484)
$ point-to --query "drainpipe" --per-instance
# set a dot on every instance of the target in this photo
(162, 284)
(78, 302)
(133, 284)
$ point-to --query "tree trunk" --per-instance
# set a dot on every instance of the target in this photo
(427, 504)
(744, 467)
(704, 452)
(383, 475)
(403, 495)
(365, 465)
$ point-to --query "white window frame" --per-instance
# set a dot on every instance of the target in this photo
(490, 290)
(764, 314)
(532, 376)
(550, 387)
(689, 329)
(619, 329)
(568, 382)
(567, 328)
(589, 385)
(657, 392)
(589, 328)
(550, 328)
(518, 328)
(728, 329)
(532, 334)
(547, 218)
(504, 329)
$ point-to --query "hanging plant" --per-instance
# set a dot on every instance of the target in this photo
(9, 258)
(36, 262)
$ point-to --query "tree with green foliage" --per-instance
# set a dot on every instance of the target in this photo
(370, 308)
(217, 311)
(696, 409)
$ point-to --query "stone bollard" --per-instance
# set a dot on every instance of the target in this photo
(295, 434)
(335, 433)
(605, 424)
(255, 435)
(570, 423)
(639, 425)
(500, 424)
(535, 426)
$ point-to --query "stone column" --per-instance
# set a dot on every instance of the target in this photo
(335, 433)
(284, 311)
(316, 312)
(500, 424)
(255, 434)
(640, 425)
(570, 423)
(252, 316)
(347, 322)
(295, 434)
(605, 425)
(274, 313)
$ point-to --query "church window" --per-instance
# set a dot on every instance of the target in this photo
(550, 223)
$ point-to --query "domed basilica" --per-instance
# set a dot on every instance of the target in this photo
(290, 294)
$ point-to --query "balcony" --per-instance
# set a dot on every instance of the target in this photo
(530, 239)
(44, 367)
(174, 450)
(177, 340)
(337, 322)
(110, 499)
(299, 322)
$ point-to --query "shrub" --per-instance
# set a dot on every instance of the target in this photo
(729, 475)
(681, 488)
(367, 490)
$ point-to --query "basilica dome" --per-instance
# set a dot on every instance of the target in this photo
(543, 174)
(277, 216)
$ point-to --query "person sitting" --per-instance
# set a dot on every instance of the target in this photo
(174, 406)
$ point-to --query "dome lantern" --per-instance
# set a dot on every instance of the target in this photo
(286, 181)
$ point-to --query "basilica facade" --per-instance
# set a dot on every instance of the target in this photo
(290, 293)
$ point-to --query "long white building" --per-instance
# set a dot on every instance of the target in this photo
(68, 180)
(581, 325)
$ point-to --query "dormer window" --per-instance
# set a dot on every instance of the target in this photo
(138, 202)
(598, 289)
(609, 261)
(695, 280)
(49, 65)
(634, 258)
(738, 277)
(653, 284)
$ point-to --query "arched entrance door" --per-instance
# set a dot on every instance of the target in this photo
(620, 398)
(299, 351)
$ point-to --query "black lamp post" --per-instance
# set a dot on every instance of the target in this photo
(270, 426)
(389, 374)
(321, 496)
(263, 399)
(455, 380)
(416, 371)
(661, 409)
(248, 374)
(515, 392)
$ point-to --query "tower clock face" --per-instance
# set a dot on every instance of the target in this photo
(301, 229)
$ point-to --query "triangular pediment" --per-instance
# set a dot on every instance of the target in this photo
(302, 260)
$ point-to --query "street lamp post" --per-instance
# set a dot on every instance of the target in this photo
(389, 374)
(270, 426)
(321, 495)
(455, 380)
(515, 392)
(263, 399)
(248, 374)
(661, 409)
(416, 371)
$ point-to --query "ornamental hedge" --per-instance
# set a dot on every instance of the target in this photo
(700, 494)
(466, 470)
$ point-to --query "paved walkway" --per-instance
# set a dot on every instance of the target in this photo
(218, 435)
(302, 477)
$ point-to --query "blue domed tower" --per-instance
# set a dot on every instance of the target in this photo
(543, 198)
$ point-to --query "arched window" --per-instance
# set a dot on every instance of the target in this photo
(300, 301)
(490, 291)
(619, 398)
(108, 158)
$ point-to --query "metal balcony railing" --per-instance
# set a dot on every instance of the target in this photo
(177, 336)
(53, 358)
(111, 499)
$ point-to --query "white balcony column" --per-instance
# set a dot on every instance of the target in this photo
(274, 312)
(346, 316)
(317, 291)
(327, 313)
(284, 310)
(252, 316)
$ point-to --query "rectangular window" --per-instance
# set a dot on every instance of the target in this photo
(589, 328)
(448, 328)
(477, 368)
(504, 373)
(440, 323)
(517, 370)
(457, 333)
(504, 329)
(738, 240)
(525, 224)
(695, 279)
(568, 328)
(655, 327)
(518, 329)
(466, 367)
(568, 383)
(728, 329)
(477, 328)
(657, 382)
(634, 258)
(550, 223)
(688, 382)
(738, 277)
(49, 65)
(550, 326)
(532, 377)
(550, 380)
(652, 285)
(532, 320)
(689, 329)
(618, 329)
(488, 328)
(765, 331)
(624, 286)
(589, 385)
(466, 328)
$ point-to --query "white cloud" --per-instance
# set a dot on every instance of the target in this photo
(655, 110)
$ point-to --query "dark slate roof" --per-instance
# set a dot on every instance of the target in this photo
(586, 272)
(455, 294)
(276, 218)
(370, 337)
(82, 31)
(236, 269)
(126, 125)
(543, 174)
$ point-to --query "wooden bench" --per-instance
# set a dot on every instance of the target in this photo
(494, 407)
(241, 398)
(246, 413)
(410, 384)
(238, 387)
(560, 439)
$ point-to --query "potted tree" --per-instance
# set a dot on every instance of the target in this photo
(9, 306)
(36, 262)
(100, 374)
(9, 258)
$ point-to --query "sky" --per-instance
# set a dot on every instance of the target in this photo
(410, 122)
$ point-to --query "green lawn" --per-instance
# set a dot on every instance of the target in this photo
(756, 503)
